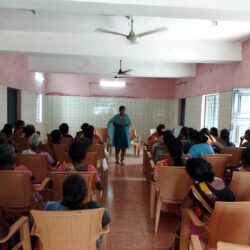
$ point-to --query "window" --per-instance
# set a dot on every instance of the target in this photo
(240, 120)
(211, 111)
(39, 108)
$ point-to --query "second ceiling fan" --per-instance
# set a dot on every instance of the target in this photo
(132, 37)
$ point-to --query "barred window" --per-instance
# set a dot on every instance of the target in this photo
(39, 108)
(211, 111)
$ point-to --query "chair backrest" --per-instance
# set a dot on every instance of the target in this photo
(37, 164)
(22, 142)
(240, 185)
(102, 133)
(132, 134)
(98, 149)
(174, 183)
(15, 191)
(219, 163)
(229, 246)
(90, 159)
(47, 148)
(161, 147)
(59, 150)
(67, 141)
(233, 219)
(59, 177)
(163, 157)
(64, 230)
(150, 145)
(235, 152)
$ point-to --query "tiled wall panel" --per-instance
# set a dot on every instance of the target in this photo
(144, 113)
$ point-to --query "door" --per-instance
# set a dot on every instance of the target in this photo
(11, 106)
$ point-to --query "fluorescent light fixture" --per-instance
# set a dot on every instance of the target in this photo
(39, 77)
(112, 84)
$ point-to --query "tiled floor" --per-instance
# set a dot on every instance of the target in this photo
(128, 201)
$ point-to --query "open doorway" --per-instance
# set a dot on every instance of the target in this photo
(12, 105)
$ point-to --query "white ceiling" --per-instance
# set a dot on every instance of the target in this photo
(61, 36)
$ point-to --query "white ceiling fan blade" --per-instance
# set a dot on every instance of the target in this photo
(161, 29)
(110, 32)
(126, 71)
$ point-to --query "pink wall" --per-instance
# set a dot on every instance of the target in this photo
(83, 85)
(14, 73)
(215, 78)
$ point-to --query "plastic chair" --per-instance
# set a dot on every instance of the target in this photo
(67, 141)
(90, 159)
(233, 219)
(64, 230)
(37, 164)
(219, 163)
(152, 130)
(21, 225)
(135, 141)
(22, 142)
(235, 152)
(58, 178)
(229, 246)
(59, 150)
(16, 191)
(240, 185)
(102, 133)
(174, 184)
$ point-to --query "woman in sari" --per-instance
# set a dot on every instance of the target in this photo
(118, 134)
(202, 197)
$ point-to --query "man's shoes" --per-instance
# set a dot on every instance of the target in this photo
(117, 162)
(122, 162)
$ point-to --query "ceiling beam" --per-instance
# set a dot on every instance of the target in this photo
(75, 44)
(193, 9)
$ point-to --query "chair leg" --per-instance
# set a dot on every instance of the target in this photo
(185, 231)
(25, 236)
(152, 199)
(157, 213)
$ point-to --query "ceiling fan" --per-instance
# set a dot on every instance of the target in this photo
(122, 72)
(132, 37)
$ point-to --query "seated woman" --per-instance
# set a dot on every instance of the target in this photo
(35, 142)
(200, 146)
(64, 129)
(74, 193)
(224, 139)
(7, 154)
(184, 134)
(210, 139)
(166, 137)
(77, 153)
(81, 133)
(202, 197)
(214, 132)
(158, 134)
(90, 134)
(245, 138)
(175, 149)
(29, 130)
(19, 126)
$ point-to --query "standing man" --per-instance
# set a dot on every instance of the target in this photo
(118, 133)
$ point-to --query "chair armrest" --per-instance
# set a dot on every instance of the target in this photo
(194, 218)
(105, 229)
(195, 243)
(14, 228)
(42, 185)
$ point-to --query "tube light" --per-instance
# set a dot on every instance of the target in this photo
(112, 84)
(39, 77)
